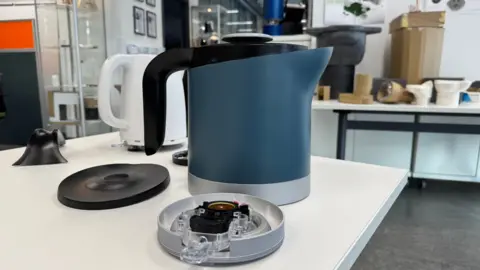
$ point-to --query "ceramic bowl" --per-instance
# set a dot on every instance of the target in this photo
(452, 86)
(448, 99)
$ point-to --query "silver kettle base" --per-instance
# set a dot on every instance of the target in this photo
(248, 237)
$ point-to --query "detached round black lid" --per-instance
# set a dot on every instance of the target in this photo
(111, 186)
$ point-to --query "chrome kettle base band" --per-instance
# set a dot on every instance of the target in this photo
(278, 193)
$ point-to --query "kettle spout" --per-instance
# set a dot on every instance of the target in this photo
(311, 64)
(464, 85)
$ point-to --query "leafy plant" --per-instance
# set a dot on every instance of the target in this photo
(357, 9)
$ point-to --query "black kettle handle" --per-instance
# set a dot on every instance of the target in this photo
(155, 94)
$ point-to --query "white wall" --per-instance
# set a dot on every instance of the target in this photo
(119, 26)
(461, 55)
(377, 51)
(16, 12)
(459, 59)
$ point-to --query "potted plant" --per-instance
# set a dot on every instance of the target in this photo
(357, 8)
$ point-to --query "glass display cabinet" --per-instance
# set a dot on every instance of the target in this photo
(212, 19)
(73, 49)
(208, 24)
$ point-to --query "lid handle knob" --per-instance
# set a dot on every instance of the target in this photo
(247, 38)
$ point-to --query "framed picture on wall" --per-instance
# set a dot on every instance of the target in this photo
(151, 24)
(139, 21)
(152, 3)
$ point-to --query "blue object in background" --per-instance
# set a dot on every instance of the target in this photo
(465, 97)
(273, 15)
(273, 9)
(272, 30)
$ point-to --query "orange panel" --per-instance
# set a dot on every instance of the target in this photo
(16, 35)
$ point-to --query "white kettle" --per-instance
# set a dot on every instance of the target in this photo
(131, 123)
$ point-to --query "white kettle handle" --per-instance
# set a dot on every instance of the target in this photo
(104, 87)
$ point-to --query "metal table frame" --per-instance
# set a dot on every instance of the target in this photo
(415, 127)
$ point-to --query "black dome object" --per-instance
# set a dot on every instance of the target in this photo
(348, 42)
(112, 186)
(42, 149)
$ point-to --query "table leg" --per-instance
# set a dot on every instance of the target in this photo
(414, 182)
(341, 134)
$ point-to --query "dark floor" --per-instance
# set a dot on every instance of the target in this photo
(7, 147)
(437, 228)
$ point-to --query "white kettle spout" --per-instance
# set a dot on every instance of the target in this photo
(428, 85)
(464, 85)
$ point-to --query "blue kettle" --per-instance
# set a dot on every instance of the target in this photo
(249, 110)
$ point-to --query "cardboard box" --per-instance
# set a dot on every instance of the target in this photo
(90, 103)
(416, 53)
(418, 19)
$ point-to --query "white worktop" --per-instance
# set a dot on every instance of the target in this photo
(328, 230)
(464, 108)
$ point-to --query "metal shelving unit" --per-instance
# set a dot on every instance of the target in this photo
(73, 49)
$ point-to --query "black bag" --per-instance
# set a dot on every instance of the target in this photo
(3, 107)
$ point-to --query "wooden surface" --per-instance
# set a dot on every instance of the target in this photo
(354, 99)
(51, 100)
(363, 85)
(323, 92)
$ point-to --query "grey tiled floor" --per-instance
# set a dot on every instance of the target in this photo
(437, 228)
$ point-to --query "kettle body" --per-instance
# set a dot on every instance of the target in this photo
(130, 123)
(249, 113)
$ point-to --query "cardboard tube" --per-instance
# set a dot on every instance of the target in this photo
(363, 85)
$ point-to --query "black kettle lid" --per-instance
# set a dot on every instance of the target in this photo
(247, 38)
(240, 46)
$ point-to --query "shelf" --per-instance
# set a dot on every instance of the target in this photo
(81, 46)
(96, 121)
(67, 46)
(442, 177)
(65, 6)
(65, 122)
(74, 122)
(70, 87)
(65, 72)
